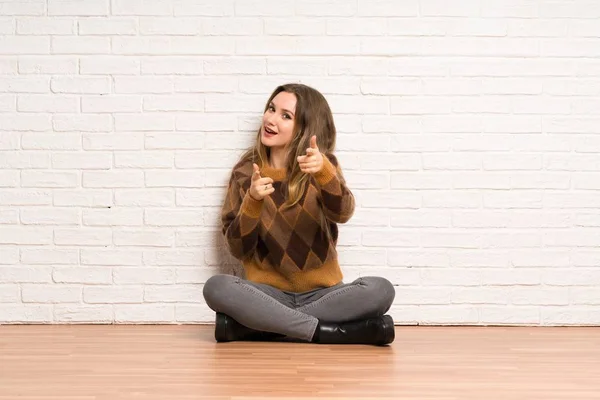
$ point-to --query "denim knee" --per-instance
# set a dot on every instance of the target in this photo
(381, 289)
(215, 287)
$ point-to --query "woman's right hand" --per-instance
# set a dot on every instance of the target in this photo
(260, 187)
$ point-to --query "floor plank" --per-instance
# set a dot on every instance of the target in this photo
(102, 362)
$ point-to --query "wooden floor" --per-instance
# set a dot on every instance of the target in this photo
(79, 362)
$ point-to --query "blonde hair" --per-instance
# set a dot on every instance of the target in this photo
(313, 116)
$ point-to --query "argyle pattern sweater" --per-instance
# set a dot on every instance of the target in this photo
(288, 248)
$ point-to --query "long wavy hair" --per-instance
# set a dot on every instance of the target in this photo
(313, 116)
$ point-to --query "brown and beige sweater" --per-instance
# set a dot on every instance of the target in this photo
(288, 248)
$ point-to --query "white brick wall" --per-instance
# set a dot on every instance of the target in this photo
(469, 132)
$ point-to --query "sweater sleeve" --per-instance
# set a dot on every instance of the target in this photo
(240, 216)
(338, 200)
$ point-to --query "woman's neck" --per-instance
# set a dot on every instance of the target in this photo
(277, 158)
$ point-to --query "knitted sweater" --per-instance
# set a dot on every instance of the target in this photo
(289, 249)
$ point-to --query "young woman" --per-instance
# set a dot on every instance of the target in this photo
(285, 198)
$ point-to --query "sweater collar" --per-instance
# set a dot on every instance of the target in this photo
(277, 174)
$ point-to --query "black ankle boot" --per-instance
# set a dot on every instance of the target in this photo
(228, 329)
(377, 331)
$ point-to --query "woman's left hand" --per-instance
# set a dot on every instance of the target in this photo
(312, 162)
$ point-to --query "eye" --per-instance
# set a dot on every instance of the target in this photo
(286, 116)
(271, 108)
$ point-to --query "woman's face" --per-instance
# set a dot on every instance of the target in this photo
(278, 121)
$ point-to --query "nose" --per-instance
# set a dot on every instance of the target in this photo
(270, 119)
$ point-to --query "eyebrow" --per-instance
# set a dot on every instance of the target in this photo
(284, 109)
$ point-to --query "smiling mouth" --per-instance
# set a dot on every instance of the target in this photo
(270, 132)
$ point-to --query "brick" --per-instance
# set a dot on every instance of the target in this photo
(390, 238)
(539, 296)
(396, 87)
(173, 217)
(104, 26)
(41, 256)
(82, 160)
(419, 218)
(145, 160)
(368, 180)
(188, 313)
(173, 293)
(10, 293)
(113, 179)
(173, 45)
(170, 26)
(147, 237)
(391, 199)
(50, 141)
(83, 198)
(8, 103)
(25, 197)
(25, 235)
(50, 216)
(9, 178)
(173, 66)
(82, 122)
(480, 295)
(570, 315)
(143, 84)
(113, 294)
(144, 197)
(451, 239)
(175, 178)
(144, 313)
(83, 275)
(24, 122)
(194, 84)
(349, 27)
(428, 180)
(296, 26)
(423, 295)
(113, 217)
(209, 123)
(83, 314)
(8, 216)
(198, 197)
(502, 315)
(367, 66)
(45, 26)
(121, 141)
(80, 45)
(47, 65)
(513, 199)
(448, 314)
(46, 179)
(143, 122)
(193, 238)
(78, 7)
(112, 257)
(82, 236)
(26, 274)
(179, 102)
(25, 313)
(81, 85)
(26, 45)
(141, 7)
(471, 258)
(383, 8)
(362, 257)
(56, 293)
(109, 65)
(172, 141)
(144, 275)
